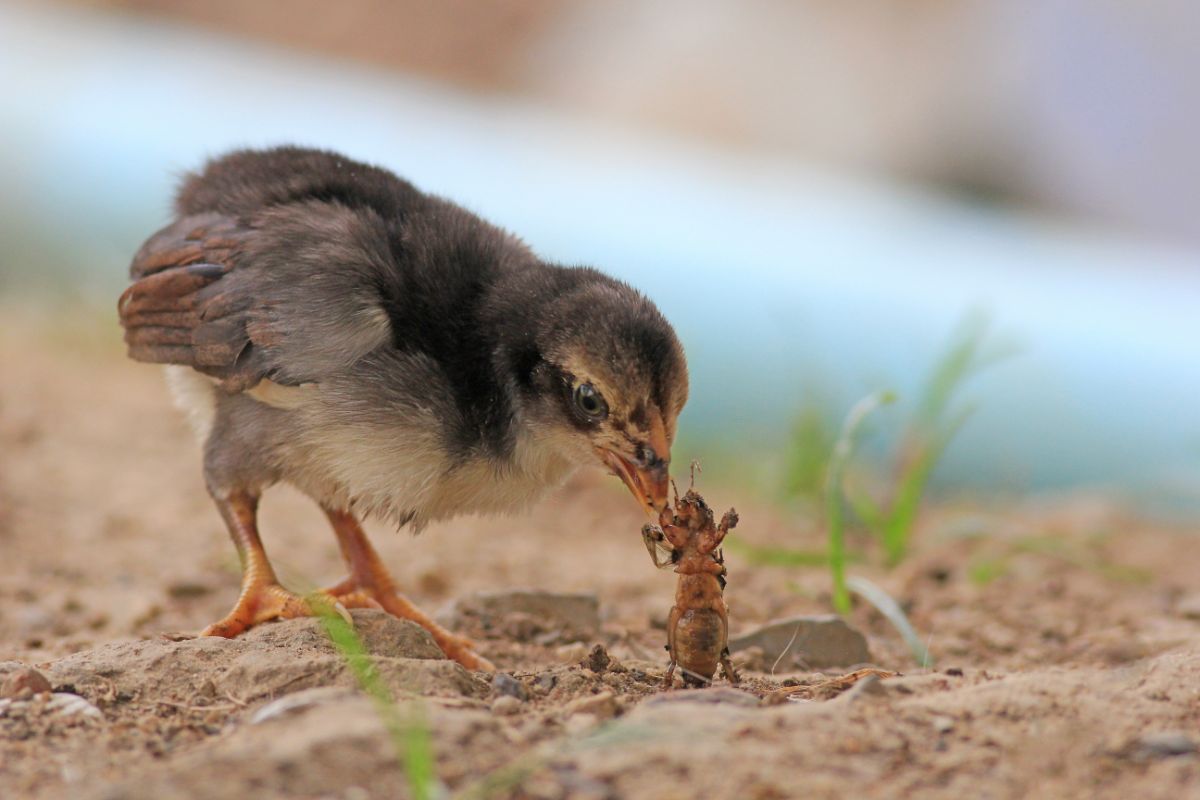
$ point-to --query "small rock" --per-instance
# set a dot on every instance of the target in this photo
(386, 635)
(504, 684)
(570, 653)
(815, 642)
(71, 705)
(603, 706)
(1188, 606)
(24, 683)
(597, 660)
(545, 682)
(569, 617)
(943, 724)
(1164, 744)
(300, 701)
(506, 705)
(954, 672)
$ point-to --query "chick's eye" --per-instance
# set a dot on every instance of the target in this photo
(589, 401)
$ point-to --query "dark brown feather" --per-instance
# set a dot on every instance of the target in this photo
(179, 311)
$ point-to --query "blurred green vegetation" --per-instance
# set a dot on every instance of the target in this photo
(821, 475)
(835, 500)
(937, 419)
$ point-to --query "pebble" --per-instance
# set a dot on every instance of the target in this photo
(58, 705)
(299, 701)
(602, 706)
(815, 642)
(71, 705)
(506, 705)
(597, 660)
(24, 683)
(1164, 744)
(943, 724)
(571, 653)
(1188, 607)
(505, 684)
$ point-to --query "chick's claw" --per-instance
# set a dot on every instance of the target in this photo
(261, 602)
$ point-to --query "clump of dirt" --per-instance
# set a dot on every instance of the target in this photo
(1066, 637)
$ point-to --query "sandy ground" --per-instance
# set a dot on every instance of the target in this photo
(1067, 636)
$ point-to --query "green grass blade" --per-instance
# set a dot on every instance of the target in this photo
(898, 523)
(866, 509)
(843, 449)
(408, 729)
(894, 614)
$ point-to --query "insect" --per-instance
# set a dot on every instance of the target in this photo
(698, 626)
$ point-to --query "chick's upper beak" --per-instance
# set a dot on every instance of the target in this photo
(649, 484)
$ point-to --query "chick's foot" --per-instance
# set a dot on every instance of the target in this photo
(458, 648)
(261, 602)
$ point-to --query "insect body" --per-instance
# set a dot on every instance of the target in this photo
(698, 626)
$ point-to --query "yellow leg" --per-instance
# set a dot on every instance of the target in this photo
(262, 597)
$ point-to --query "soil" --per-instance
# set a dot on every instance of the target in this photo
(1067, 635)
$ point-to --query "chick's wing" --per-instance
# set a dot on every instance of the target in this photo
(290, 293)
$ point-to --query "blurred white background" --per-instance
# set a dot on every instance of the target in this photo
(815, 193)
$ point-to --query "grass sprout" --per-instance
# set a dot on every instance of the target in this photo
(892, 612)
(843, 449)
(933, 427)
(407, 726)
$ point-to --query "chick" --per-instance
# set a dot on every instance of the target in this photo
(390, 354)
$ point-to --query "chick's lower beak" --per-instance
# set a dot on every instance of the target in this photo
(650, 485)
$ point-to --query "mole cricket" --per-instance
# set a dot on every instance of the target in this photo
(698, 626)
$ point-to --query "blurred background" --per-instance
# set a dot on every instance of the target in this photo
(989, 207)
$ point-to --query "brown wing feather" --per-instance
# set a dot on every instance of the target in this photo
(186, 304)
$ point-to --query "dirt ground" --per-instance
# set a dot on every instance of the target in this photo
(1067, 637)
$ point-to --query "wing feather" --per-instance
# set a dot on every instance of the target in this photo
(291, 294)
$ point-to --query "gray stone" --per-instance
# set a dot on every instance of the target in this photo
(1164, 744)
(526, 615)
(943, 724)
(1188, 606)
(813, 642)
(603, 705)
(505, 684)
(301, 701)
(386, 635)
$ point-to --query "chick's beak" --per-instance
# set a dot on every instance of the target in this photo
(650, 485)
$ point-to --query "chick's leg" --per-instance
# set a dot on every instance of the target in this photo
(262, 597)
(370, 584)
